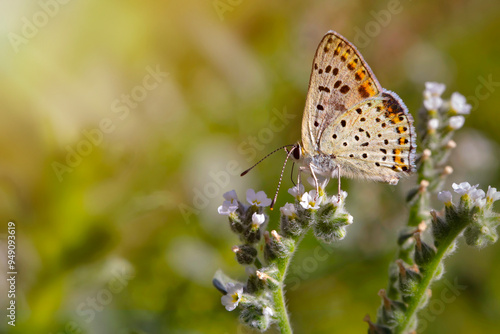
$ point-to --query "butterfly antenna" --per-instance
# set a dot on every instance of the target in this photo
(291, 174)
(258, 162)
(281, 177)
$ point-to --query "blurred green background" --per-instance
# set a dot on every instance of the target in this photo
(124, 122)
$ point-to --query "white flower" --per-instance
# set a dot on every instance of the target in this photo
(335, 198)
(459, 104)
(492, 194)
(445, 197)
(476, 195)
(463, 188)
(257, 220)
(433, 89)
(258, 199)
(433, 103)
(308, 202)
(297, 191)
(288, 210)
(233, 296)
(230, 204)
(433, 124)
(231, 197)
(268, 311)
(226, 210)
(456, 122)
(481, 202)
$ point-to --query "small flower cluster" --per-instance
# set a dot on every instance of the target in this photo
(476, 206)
(444, 112)
(440, 119)
(265, 265)
(255, 312)
(326, 215)
(248, 222)
(473, 216)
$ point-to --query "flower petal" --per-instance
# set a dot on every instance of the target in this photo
(459, 104)
(445, 196)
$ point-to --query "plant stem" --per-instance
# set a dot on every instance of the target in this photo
(428, 276)
(281, 311)
(279, 294)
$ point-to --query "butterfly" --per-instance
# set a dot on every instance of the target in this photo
(352, 127)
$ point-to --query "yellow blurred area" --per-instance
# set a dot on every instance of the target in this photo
(124, 122)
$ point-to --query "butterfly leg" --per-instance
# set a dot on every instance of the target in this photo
(298, 176)
(339, 189)
(315, 181)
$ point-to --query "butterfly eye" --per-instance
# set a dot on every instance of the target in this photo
(296, 152)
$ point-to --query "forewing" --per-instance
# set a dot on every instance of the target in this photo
(375, 139)
(340, 79)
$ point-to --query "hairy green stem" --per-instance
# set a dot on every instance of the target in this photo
(281, 311)
(279, 294)
(431, 271)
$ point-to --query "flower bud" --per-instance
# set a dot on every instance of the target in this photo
(236, 224)
(432, 124)
(254, 284)
(451, 213)
(456, 122)
(447, 170)
(423, 252)
(392, 312)
(277, 246)
(254, 316)
(306, 217)
(426, 154)
(245, 254)
(267, 279)
(440, 228)
(290, 224)
(251, 236)
(451, 144)
(408, 280)
(376, 328)
(480, 235)
(424, 184)
(331, 222)
(248, 214)
(254, 227)
(332, 228)
(290, 227)
(465, 204)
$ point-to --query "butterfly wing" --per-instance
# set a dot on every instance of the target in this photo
(375, 139)
(340, 79)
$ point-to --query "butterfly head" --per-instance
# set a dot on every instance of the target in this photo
(297, 152)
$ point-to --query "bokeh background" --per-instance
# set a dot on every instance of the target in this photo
(124, 122)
